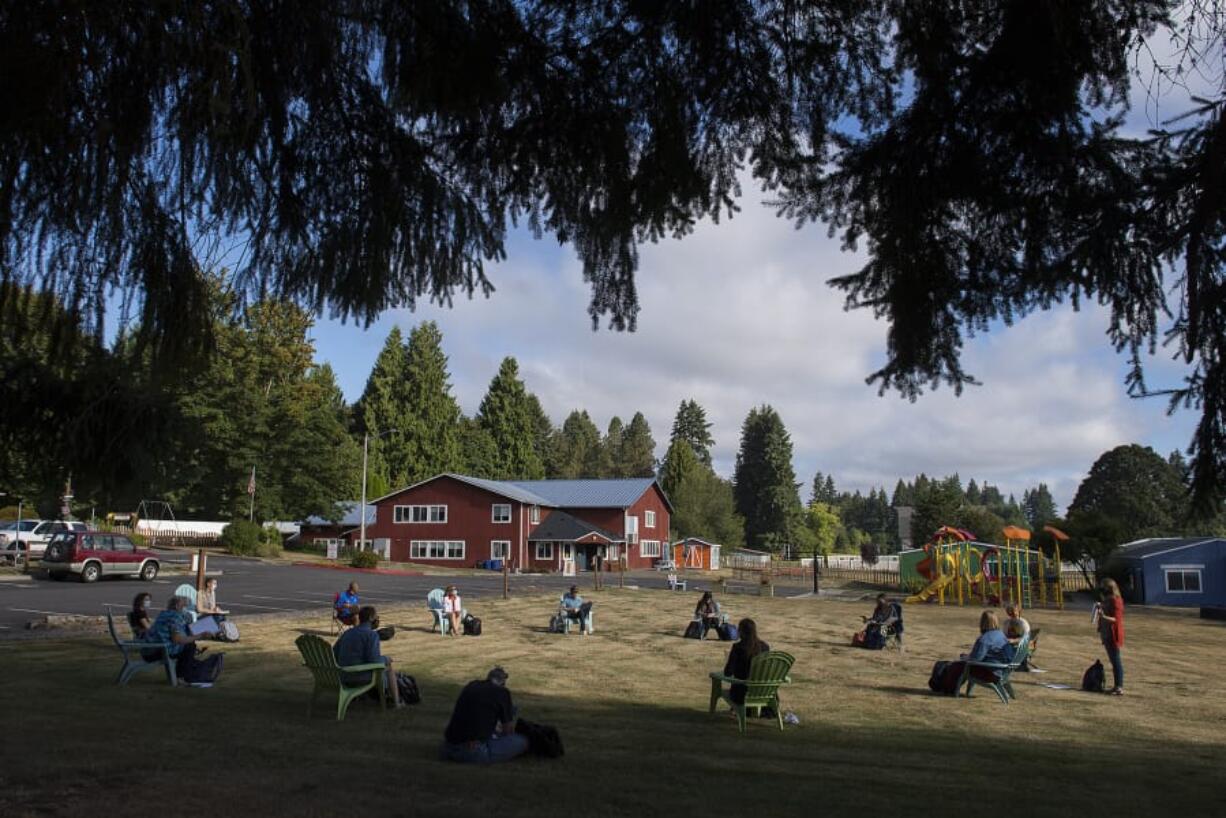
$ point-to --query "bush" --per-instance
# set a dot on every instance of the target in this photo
(364, 559)
(247, 539)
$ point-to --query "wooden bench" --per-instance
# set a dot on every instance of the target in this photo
(133, 662)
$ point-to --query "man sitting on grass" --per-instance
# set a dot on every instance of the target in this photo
(575, 608)
(482, 726)
(360, 646)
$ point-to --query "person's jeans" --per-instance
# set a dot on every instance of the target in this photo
(1117, 663)
(496, 749)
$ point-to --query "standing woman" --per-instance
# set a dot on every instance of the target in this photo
(741, 657)
(1111, 629)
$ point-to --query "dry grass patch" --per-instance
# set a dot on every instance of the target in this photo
(630, 702)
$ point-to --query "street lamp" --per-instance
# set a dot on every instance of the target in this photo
(362, 507)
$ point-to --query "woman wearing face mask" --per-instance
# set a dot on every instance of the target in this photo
(139, 616)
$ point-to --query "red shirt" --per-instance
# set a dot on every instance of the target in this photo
(1113, 607)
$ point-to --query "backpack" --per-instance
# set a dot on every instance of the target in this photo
(693, 630)
(472, 626)
(543, 740)
(557, 623)
(205, 670)
(1095, 677)
(406, 685)
(945, 677)
(727, 632)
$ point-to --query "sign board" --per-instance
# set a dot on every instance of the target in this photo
(333, 548)
(568, 568)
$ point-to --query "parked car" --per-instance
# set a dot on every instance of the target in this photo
(94, 554)
(36, 539)
(9, 533)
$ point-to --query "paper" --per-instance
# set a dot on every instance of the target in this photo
(204, 626)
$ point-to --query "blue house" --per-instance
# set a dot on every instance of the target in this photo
(1189, 571)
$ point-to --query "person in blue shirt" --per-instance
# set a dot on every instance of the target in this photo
(991, 646)
(575, 608)
(360, 646)
(347, 604)
(172, 626)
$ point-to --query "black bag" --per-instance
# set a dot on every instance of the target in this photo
(557, 623)
(386, 633)
(1095, 678)
(472, 626)
(726, 632)
(543, 740)
(693, 630)
(945, 677)
(406, 685)
(204, 670)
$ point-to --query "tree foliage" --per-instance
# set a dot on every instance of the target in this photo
(638, 449)
(577, 452)
(508, 416)
(765, 483)
(692, 426)
(1136, 489)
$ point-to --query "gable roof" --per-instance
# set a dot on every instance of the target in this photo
(350, 518)
(556, 493)
(567, 528)
(698, 540)
(1153, 546)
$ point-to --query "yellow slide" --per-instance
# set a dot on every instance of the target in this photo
(934, 586)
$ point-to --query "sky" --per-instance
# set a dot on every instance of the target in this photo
(739, 314)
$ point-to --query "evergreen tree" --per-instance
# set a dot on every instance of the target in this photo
(680, 464)
(638, 449)
(429, 440)
(542, 437)
(903, 494)
(823, 490)
(765, 484)
(1136, 488)
(477, 450)
(1038, 506)
(704, 507)
(973, 495)
(936, 505)
(611, 450)
(691, 425)
(506, 413)
(382, 409)
(576, 448)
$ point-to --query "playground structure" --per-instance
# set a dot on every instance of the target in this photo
(966, 571)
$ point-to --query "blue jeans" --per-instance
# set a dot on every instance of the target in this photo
(1117, 664)
(496, 749)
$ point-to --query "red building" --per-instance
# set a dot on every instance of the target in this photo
(452, 519)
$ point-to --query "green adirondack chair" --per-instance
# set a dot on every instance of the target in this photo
(318, 658)
(1003, 686)
(767, 672)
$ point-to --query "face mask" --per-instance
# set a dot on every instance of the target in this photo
(145, 605)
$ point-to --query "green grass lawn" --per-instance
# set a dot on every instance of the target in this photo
(631, 704)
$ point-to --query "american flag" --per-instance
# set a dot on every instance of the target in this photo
(251, 482)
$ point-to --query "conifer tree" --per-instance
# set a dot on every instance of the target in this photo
(611, 450)
(429, 440)
(765, 483)
(381, 409)
(576, 448)
(638, 449)
(680, 464)
(691, 425)
(506, 414)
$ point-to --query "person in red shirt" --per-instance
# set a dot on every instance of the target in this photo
(1111, 630)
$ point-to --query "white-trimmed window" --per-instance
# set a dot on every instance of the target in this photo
(326, 541)
(419, 514)
(544, 550)
(615, 552)
(500, 549)
(649, 519)
(500, 513)
(1182, 579)
(535, 514)
(436, 550)
(650, 548)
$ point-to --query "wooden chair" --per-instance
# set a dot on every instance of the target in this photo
(318, 658)
(1003, 686)
(567, 621)
(133, 662)
(767, 672)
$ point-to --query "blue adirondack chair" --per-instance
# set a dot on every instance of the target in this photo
(434, 603)
(188, 591)
(133, 662)
(1003, 686)
(588, 621)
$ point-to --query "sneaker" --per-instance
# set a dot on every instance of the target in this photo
(1117, 691)
(791, 718)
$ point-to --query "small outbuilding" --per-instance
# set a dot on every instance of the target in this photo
(695, 553)
(1185, 571)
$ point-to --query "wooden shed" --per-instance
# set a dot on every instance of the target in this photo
(695, 553)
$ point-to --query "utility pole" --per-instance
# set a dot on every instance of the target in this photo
(362, 508)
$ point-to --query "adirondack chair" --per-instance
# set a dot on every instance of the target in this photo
(434, 602)
(767, 672)
(1003, 686)
(133, 662)
(189, 592)
(567, 621)
(318, 658)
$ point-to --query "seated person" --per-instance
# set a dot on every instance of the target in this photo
(575, 608)
(482, 726)
(877, 625)
(173, 626)
(740, 657)
(673, 582)
(206, 601)
(360, 646)
(347, 604)
(707, 611)
(1015, 626)
(991, 646)
(139, 616)
(453, 609)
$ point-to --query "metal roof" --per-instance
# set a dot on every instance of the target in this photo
(1153, 546)
(565, 527)
(350, 518)
(589, 493)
